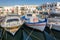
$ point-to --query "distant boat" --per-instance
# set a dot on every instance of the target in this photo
(35, 21)
(54, 23)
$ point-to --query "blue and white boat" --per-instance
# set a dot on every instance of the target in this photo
(36, 21)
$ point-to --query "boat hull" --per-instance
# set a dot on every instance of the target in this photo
(38, 26)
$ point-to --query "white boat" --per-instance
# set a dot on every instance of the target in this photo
(11, 21)
(35, 21)
(54, 22)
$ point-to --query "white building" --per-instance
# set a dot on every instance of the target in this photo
(54, 7)
(19, 9)
(58, 5)
(22, 9)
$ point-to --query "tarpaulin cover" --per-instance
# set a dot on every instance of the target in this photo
(26, 33)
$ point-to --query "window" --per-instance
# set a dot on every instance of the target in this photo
(54, 15)
(40, 16)
(48, 5)
(45, 13)
(10, 20)
(40, 12)
(59, 4)
(29, 14)
(22, 8)
(55, 4)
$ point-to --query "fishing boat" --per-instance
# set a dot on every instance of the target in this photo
(11, 23)
(54, 21)
(16, 32)
(36, 21)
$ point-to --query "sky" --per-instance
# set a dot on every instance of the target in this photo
(24, 2)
